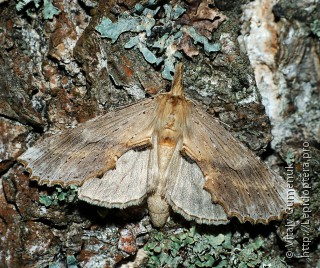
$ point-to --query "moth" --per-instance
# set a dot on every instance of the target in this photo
(168, 151)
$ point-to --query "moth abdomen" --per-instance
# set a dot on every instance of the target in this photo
(158, 209)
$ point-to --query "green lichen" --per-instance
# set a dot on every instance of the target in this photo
(22, 4)
(59, 195)
(112, 30)
(249, 256)
(72, 261)
(49, 10)
(189, 248)
(202, 40)
(315, 28)
(159, 33)
(31, 7)
(53, 265)
(290, 157)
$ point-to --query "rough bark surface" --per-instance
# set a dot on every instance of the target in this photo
(56, 73)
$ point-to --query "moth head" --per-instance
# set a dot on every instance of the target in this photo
(177, 84)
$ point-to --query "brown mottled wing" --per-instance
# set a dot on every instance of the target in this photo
(124, 186)
(92, 148)
(186, 195)
(235, 177)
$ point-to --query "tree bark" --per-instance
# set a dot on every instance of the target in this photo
(263, 85)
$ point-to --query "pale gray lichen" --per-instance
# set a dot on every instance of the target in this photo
(160, 32)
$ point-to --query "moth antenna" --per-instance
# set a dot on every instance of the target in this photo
(177, 84)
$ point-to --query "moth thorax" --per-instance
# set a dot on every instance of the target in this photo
(169, 137)
(170, 131)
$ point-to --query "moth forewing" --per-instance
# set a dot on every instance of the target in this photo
(92, 148)
(236, 178)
